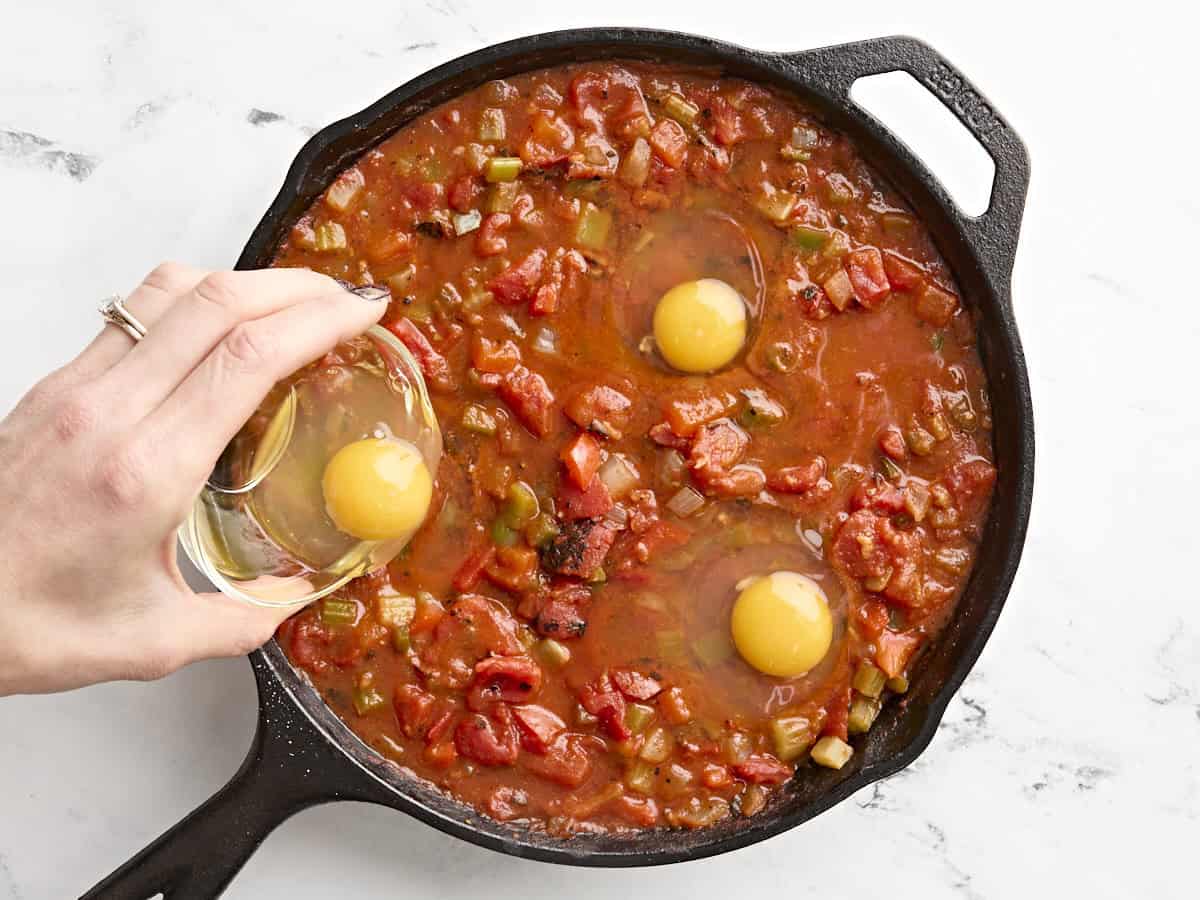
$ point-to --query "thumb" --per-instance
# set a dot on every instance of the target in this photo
(217, 625)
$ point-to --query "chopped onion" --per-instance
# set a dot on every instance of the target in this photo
(546, 341)
(671, 467)
(618, 516)
(685, 502)
(618, 475)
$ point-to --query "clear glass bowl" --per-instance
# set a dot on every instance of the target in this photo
(259, 530)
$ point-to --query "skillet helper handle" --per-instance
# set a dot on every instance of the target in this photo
(994, 233)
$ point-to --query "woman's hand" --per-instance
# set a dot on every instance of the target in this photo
(100, 462)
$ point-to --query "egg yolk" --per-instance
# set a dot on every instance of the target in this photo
(781, 624)
(377, 489)
(700, 325)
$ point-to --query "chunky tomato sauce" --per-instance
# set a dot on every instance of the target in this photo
(553, 647)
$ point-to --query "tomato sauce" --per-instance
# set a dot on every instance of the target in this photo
(553, 647)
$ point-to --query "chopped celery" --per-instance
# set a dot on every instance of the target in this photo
(862, 714)
(760, 409)
(713, 648)
(465, 223)
(682, 111)
(670, 645)
(837, 246)
(808, 238)
(897, 684)
(919, 441)
(553, 653)
(395, 611)
(520, 505)
(831, 752)
(657, 746)
(502, 168)
(838, 188)
(477, 419)
(367, 699)
(598, 576)
(541, 531)
(897, 223)
(868, 680)
(401, 639)
(502, 534)
(776, 205)
(492, 125)
(593, 227)
(640, 778)
(500, 197)
(328, 237)
(891, 471)
(792, 735)
(638, 716)
(938, 426)
(342, 192)
(338, 612)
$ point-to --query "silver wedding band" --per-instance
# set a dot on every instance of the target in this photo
(114, 312)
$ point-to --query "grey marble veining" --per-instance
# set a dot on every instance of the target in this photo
(1067, 766)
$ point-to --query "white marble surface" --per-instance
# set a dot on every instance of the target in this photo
(1067, 766)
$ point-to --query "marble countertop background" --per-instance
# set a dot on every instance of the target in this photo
(132, 132)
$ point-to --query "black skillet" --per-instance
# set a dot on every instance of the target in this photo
(303, 754)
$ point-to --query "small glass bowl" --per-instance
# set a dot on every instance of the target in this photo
(259, 530)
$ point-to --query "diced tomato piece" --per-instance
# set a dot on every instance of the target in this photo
(593, 158)
(498, 357)
(903, 274)
(414, 709)
(428, 614)
(389, 245)
(867, 276)
(505, 803)
(588, 94)
(441, 755)
(490, 240)
(433, 365)
(530, 398)
(307, 639)
(674, 707)
(538, 727)
(592, 501)
(798, 479)
(717, 447)
(511, 679)
(550, 141)
(893, 650)
(580, 549)
(639, 548)
(517, 283)
(669, 141)
(872, 618)
(489, 740)
(762, 768)
(599, 408)
(727, 122)
(740, 481)
(891, 442)
(715, 776)
(639, 811)
(970, 483)
(606, 704)
(662, 435)
(685, 415)
(565, 762)
(560, 619)
(859, 549)
(545, 300)
(476, 626)
(463, 193)
(837, 716)
(935, 305)
(878, 495)
(581, 456)
(472, 569)
(423, 195)
(635, 685)
(441, 720)
(515, 568)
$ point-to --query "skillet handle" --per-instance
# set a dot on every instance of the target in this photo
(197, 858)
(994, 233)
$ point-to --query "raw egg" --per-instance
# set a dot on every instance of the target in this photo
(699, 326)
(781, 624)
(377, 489)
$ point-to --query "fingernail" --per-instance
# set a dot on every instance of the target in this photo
(369, 292)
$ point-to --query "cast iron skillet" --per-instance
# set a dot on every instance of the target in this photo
(303, 755)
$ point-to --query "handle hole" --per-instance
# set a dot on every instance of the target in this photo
(919, 119)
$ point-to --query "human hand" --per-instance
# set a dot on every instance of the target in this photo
(100, 462)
